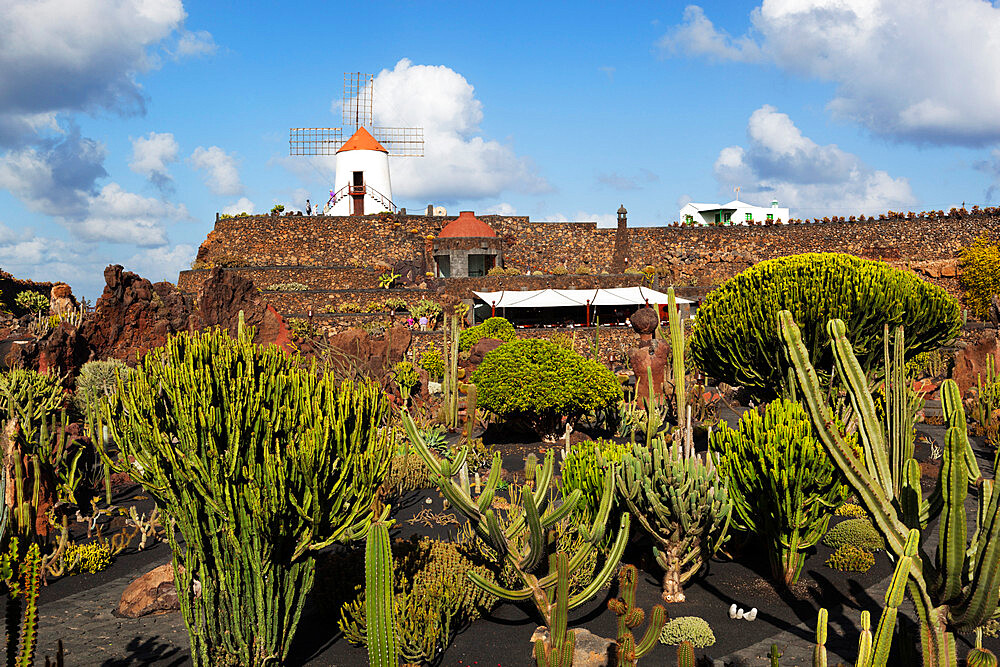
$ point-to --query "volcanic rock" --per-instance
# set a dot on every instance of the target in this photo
(152, 593)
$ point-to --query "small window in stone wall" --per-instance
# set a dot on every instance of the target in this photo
(480, 264)
(443, 266)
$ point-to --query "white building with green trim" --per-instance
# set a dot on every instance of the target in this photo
(735, 212)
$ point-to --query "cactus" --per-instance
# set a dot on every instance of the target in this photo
(782, 484)
(558, 651)
(449, 386)
(257, 461)
(531, 527)
(630, 617)
(819, 651)
(21, 570)
(979, 656)
(959, 588)
(680, 503)
(685, 654)
(380, 600)
(873, 650)
(677, 364)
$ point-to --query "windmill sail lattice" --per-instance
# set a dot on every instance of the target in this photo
(357, 112)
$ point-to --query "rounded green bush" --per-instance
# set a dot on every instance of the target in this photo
(541, 383)
(693, 629)
(432, 362)
(736, 338)
(494, 327)
(855, 532)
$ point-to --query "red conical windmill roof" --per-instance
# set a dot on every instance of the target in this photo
(466, 225)
(362, 141)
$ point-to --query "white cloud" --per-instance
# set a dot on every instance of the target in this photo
(222, 176)
(118, 216)
(698, 36)
(81, 55)
(163, 263)
(241, 205)
(602, 219)
(917, 71)
(152, 154)
(195, 44)
(458, 163)
(500, 208)
(779, 162)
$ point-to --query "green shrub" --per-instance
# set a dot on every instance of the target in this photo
(425, 308)
(540, 383)
(560, 270)
(288, 287)
(280, 463)
(781, 480)
(98, 379)
(433, 596)
(692, 629)
(513, 271)
(583, 269)
(856, 533)
(497, 271)
(395, 303)
(432, 362)
(31, 301)
(90, 558)
(849, 558)
(537, 273)
(980, 264)
(585, 468)
(494, 327)
(736, 339)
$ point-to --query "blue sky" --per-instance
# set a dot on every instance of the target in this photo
(125, 125)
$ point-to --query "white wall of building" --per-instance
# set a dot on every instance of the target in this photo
(374, 166)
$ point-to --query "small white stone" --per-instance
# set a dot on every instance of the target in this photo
(429, 501)
(732, 611)
(751, 615)
(739, 614)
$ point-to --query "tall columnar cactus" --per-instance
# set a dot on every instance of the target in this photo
(450, 383)
(630, 617)
(258, 461)
(677, 365)
(681, 503)
(380, 613)
(873, 650)
(531, 527)
(685, 654)
(901, 407)
(959, 588)
(558, 651)
(782, 484)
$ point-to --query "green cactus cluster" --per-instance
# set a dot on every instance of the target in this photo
(433, 598)
(432, 362)
(21, 571)
(859, 533)
(692, 629)
(736, 339)
(257, 460)
(631, 617)
(406, 378)
(90, 558)
(873, 650)
(958, 588)
(681, 503)
(849, 558)
(524, 539)
(782, 483)
(407, 472)
(585, 468)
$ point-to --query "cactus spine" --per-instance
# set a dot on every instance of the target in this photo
(966, 571)
(531, 527)
(380, 613)
(631, 616)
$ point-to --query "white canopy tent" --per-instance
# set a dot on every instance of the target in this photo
(550, 298)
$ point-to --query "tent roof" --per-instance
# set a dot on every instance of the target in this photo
(550, 298)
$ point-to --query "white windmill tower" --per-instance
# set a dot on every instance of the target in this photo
(362, 184)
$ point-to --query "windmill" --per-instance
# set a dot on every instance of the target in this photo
(362, 175)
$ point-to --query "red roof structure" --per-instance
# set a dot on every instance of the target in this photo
(362, 140)
(466, 225)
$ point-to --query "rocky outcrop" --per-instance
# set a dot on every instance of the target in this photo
(61, 299)
(356, 351)
(152, 593)
(224, 295)
(970, 359)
